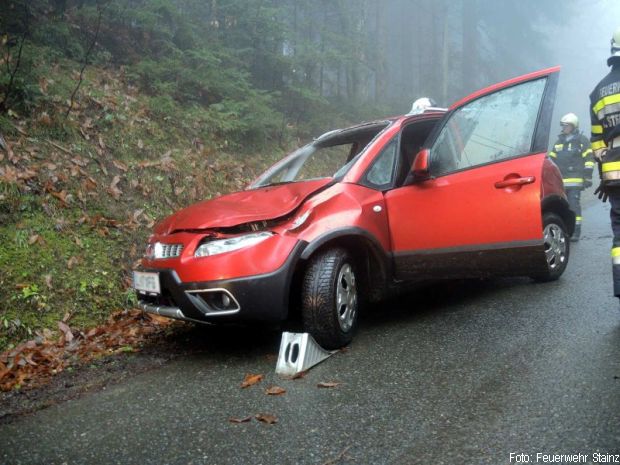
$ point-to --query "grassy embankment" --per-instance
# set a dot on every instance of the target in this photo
(79, 193)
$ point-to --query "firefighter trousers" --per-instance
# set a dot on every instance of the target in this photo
(574, 202)
(614, 200)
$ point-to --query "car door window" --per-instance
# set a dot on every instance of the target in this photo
(382, 169)
(494, 127)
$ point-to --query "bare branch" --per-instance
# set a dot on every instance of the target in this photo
(8, 60)
(7, 94)
(86, 57)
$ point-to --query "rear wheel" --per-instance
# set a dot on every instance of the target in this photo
(330, 298)
(557, 247)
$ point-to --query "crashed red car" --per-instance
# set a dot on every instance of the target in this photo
(359, 212)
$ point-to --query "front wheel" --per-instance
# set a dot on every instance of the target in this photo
(557, 248)
(330, 298)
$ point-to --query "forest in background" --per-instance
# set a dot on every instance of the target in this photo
(253, 68)
(116, 112)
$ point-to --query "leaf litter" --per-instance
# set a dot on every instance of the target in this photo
(34, 362)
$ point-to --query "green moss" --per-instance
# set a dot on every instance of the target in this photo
(6, 126)
(74, 271)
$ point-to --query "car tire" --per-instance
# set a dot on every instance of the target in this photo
(330, 298)
(557, 248)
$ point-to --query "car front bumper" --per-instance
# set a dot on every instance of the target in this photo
(261, 298)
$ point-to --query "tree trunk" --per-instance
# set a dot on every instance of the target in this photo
(445, 56)
(470, 45)
(380, 55)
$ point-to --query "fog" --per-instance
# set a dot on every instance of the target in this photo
(509, 39)
(447, 49)
(581, 46)
(314, 62)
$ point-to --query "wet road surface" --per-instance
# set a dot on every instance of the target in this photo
(467, 373)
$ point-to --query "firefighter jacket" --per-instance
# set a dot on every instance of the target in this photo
(605, 118)
(573, 155)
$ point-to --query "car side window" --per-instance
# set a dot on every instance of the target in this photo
(381, 171)
(494, 127)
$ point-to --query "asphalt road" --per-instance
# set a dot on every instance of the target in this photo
(465, 373)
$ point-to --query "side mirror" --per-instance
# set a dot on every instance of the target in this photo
(420, 168)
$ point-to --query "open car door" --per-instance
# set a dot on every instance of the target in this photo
(479, 212)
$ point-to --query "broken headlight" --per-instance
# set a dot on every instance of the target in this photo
(229, 244)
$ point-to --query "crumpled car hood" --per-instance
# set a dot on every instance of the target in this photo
(242, 207)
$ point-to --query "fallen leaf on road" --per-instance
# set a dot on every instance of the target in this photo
(275, 391)
(251, 380)
(240, 420)
(266, 418)
(328, 385)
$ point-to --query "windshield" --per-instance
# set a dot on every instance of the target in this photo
(330, 156)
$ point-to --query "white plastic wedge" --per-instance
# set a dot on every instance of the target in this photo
(299, 352)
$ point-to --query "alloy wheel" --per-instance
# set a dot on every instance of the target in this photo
(346, 297)
(555, 246)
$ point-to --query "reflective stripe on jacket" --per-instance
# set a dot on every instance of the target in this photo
(605, 119)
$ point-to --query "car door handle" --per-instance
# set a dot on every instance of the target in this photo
(515, 182)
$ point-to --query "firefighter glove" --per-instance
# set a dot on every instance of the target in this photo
(587, 183)
(601, 192)
(599, 154)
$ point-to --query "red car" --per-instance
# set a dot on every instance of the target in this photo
(362, 211)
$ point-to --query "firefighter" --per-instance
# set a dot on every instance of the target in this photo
(573, 155)
(605, 116)
(421, 104)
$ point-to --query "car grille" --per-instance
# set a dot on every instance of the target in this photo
(168, 250)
